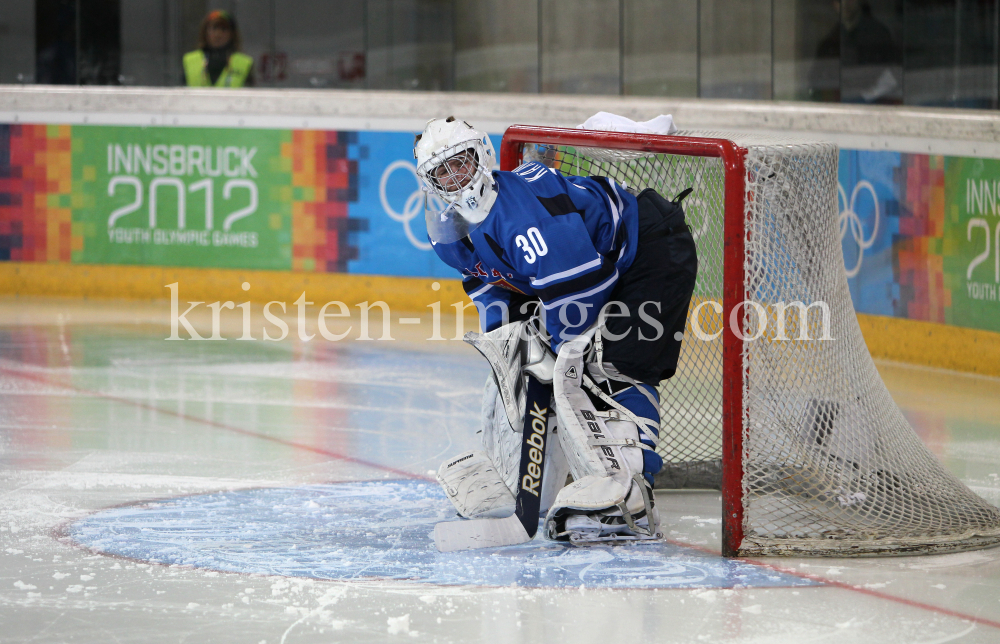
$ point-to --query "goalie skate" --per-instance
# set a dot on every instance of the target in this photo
(612, 524)
(584, 529)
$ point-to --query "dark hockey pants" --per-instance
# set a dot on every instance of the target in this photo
(662, 277)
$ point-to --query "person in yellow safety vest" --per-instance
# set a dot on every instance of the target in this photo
(218, 62)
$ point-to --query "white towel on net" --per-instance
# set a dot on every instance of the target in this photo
(662, 124)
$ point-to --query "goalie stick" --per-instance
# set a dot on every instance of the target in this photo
(521, 526)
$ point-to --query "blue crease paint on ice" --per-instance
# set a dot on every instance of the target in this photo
(382, 530)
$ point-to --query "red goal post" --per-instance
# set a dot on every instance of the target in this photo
(735, 196)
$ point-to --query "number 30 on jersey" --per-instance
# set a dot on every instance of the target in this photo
(533, 245)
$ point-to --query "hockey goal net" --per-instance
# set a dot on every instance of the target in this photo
(777, 404)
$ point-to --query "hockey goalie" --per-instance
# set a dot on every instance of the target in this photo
(582, 290)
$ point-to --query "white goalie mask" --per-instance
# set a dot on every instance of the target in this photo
(455, 161)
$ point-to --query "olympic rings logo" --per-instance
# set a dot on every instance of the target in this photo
(414, 205)
(848, 219)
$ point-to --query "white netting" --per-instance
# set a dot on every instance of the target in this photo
(830, 464)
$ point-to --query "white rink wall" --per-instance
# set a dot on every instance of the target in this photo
(860, 127)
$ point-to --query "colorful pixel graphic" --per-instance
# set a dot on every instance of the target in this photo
(36, 193)
(918, 259)
(325, 181)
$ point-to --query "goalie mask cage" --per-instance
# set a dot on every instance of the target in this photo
(777, 405)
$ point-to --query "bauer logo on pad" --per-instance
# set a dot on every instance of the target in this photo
(571, 372)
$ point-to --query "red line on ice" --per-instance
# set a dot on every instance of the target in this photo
(206, 421)
(845, 586)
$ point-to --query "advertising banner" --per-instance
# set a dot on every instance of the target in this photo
(391, 203)
(920, 233)
(302, 200)
(182, 196)
(970, 243)
(920, 236)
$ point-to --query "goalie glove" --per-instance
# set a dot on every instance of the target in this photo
(474, 486)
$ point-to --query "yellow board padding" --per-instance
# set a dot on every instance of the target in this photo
(911, 341)
(93, 281)
(931, 344)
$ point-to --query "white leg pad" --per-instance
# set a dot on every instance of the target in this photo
(501, 442)
(556, 467)
(570, 402)
(580, 425)
(503, 447)
(604, 457)
(472, 483)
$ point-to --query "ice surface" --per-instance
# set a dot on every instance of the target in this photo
(101, 420)
(381, 530)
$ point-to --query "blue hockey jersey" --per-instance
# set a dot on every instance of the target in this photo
(564, 239)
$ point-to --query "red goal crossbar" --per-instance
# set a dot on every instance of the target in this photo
(732, 156)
